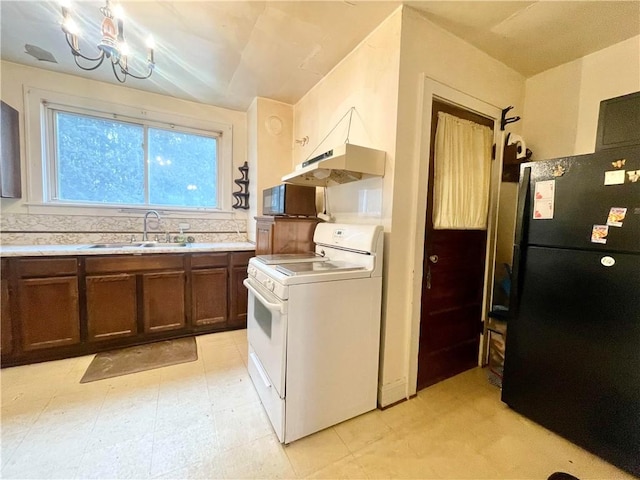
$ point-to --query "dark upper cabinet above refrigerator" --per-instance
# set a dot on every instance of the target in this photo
(619, 122)
(10, 182)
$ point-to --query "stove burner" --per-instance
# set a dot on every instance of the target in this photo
(309, 268)
(291, 258)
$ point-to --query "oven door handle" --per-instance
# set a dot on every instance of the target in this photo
(260, 369)
(274, 307)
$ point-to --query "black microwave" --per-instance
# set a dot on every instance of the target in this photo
(287, 199)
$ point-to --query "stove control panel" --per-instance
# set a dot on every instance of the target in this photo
(262, 274)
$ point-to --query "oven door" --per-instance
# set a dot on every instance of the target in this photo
(267, 332)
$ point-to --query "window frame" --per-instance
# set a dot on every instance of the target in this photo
(40, 108)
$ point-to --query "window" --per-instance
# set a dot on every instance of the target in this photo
(92, 156)
(111, 161)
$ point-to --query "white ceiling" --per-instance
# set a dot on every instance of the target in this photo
(227, 53)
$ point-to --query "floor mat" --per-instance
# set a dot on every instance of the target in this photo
(137, 359)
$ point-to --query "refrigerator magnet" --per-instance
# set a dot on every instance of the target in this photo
(544, 200)
(614, 177)
(616, 216)
(599, 234)
(558, 171)
(633, 175)
(619, 163)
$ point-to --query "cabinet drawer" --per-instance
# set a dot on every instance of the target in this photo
(47, 267)
(241, 258)
(206, 260)
(132, 263)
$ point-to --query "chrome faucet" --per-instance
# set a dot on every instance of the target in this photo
(146, 216)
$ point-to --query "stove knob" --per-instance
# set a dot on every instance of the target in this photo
(270, 285)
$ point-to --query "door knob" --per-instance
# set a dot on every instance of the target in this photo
(433, 258)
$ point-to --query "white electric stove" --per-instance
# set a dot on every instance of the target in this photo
(313, 326)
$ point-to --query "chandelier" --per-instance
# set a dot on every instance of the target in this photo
(112, 45)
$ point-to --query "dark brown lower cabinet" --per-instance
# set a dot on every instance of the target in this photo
(111, 306)
(239, 294)
(209, 297)
(49, 312)
(163, 301)
(6, 335)
(63, 306)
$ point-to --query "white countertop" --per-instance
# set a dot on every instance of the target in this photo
(50, 250)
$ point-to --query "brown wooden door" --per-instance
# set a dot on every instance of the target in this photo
(209, 297)
(238, 294)
(452, 286)
(163, 301)
(6, 335)
(264, 235)
(10, 180)
(294, 235)
(112, 308)
(49, 314)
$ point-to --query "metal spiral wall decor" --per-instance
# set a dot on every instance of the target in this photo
(242, 196)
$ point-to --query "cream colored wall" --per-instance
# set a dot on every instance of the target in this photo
(382, 78)
(562, 104)
(607, 73)
(366, 79)
(430, 51)
(270, 127)
(252, 160)
(551, 107)
(15, 78)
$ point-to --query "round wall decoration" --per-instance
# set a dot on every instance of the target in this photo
(273, 124)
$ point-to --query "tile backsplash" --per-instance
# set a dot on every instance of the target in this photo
(23, 229)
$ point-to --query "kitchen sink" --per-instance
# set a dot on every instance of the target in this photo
(167, 244)
(116, 245)
(138, 245)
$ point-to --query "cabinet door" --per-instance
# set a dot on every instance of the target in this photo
(294, 235)
(49, 312)
(10, 181)
(238, 297)
(111, 306)
(6, 335)
(264, 238)
(209, 296)
(163, 301)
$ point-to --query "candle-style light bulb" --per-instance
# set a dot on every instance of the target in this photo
(118, 12)
(124, 49)
(70, 26)
(151, 45)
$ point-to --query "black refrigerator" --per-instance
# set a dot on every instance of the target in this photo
(572, 360)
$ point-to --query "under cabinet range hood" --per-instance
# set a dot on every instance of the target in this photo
(342, 164)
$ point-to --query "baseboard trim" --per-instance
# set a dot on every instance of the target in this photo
(392, 393)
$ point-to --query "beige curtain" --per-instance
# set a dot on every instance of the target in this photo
(462, 167)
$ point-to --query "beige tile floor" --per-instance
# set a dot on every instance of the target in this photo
(203, 420)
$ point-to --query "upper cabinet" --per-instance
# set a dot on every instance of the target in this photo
(619, 122)
(10, 184)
